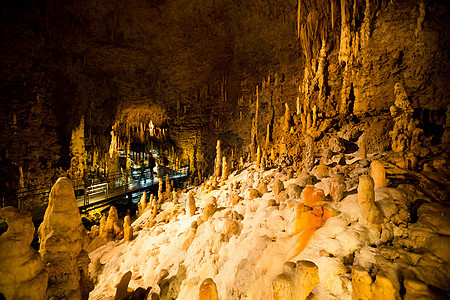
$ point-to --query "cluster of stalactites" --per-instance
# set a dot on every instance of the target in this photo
(122, 133)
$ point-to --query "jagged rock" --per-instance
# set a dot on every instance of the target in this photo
(62, 237)
(294, 191)
(335, 144)
(127, 229)
(366, 199)
(277, 186)
(378, 173)
(337, 187)
(22, 274)
(208, 290)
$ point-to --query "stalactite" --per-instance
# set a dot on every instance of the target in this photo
(298, 18)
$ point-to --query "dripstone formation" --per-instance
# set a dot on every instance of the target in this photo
(62, 237)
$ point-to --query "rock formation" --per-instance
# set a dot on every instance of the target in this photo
(296, 282)
(22, 274)
(112, 226)
(308, 160)
(337, 187)
(366, 199)
(208, 290)
(378, 173)
(190, 205)
(127, 229)
(62, 237)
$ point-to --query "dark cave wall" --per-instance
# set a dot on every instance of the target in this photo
(200, 63)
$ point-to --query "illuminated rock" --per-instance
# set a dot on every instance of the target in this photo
(306, 277)
(361, 284)
(254, 193)
(142, 203)
(113, 228)
(313, 196)
(62, 237)
(127, 229)
(208, 290)
(22, 274)
(282, 287)
(262, 187)
(383, 289)
(417, 290)
(378, 173)
(297, 281)
(230, 228)
(337, 187)
(224, 169)
(277, 187)
(218, 161)
(209, 209)
(190, 209)
(366, 199)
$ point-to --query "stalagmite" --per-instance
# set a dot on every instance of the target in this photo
(267, 144)
(78, 154)
(127, 229)
(258, 157)
(160, 190)
(337, 187)
(218, 161)
(312, 196)
(191, 204)
(142, 205)
(112, 224)
(208, 290)
(22, 274)
(168, 185)
(224, 169)
(62, 237)
(296, 282)
(287, 117)
(378, 173)
(366, 199)
(308, 161)
(361, 283)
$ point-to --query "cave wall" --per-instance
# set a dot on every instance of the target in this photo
(201, 64)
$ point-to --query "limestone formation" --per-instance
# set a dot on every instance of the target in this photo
(361, 283)
(322, 171)
(62, 237)
(254, 193)
(378, 173)
(224, 169)
(190, 209)
(337, 187)
(78, 154)
(218, 161)
(168, 185)
(112, 224)
(277, 187)
(142, 205)
(282, 287)
(294, 191)
(262, 187)
(304, 179)
(297, 281)
(417, 290)
(258, 157)
(405, 135)
(308, 158)
(22, 274)
(127, 229)
(208, 290)
(313, 196)
(366, 199)
(160, 190)
(209, 209)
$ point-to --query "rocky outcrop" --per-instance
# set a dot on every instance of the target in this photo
(22, 274)
(62, 237)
